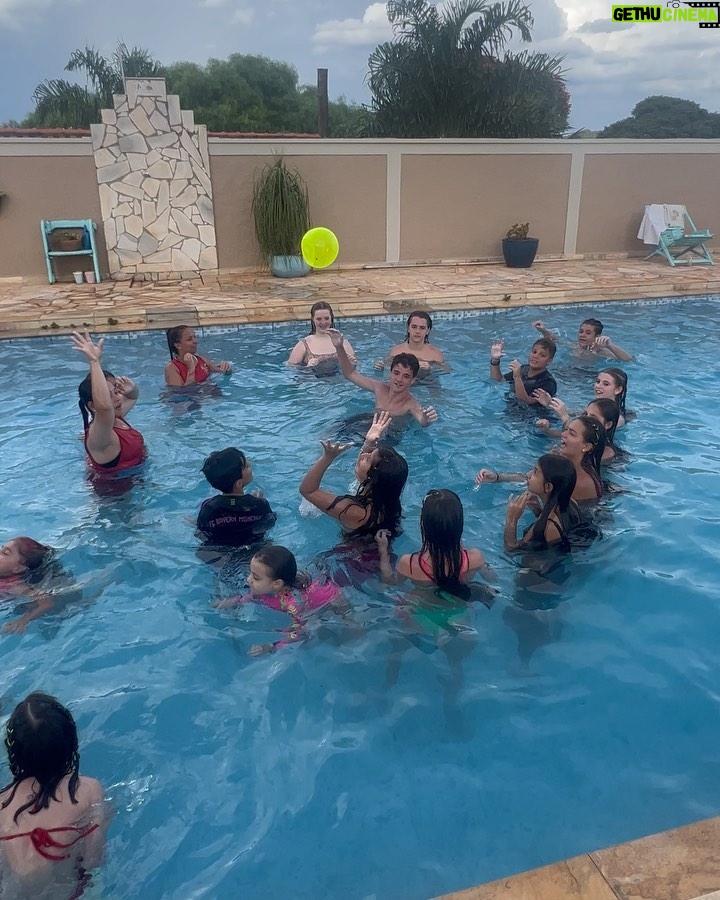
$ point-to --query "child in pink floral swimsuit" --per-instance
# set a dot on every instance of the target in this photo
(275, 582)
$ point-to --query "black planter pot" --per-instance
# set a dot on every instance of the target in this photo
(519, 254)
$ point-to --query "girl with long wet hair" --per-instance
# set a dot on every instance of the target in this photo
(382, 474)
(52, 818)
(104, 400)
(551, 482)
(442, 561)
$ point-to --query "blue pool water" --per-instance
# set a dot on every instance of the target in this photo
(311, 773)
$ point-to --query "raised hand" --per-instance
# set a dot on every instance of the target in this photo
(497, 349)
(486, 476)
(125, 386)
(379, 364)
(517, 505)
(539, 325)
(335, 336)
(542, 424)
(381, 421)
(84, 343)
(333, 449)
(382, 539)
(542, 397)
(559, 407)
(516, 367)
(430, 414)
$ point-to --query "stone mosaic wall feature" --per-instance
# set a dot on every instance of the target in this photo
(153, 173)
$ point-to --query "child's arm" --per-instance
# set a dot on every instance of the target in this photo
(424, 415)
(605, 343)
(42, 602)
(346, 366)
(520, 391)
(496, 351)
(544, 426)
(382, 539)
(515, 508)
(296, 632)
(129, 393)
(545, 332)
(350, 515)
(489, 476)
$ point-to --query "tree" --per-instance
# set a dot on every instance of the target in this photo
(665, 117)
(62, 104)
(441, 75)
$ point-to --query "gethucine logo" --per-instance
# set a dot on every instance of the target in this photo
(706, 14)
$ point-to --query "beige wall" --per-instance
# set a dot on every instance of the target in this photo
(41, 187)
(390, 200)
(615, 186)
(459, 207)
(347, 195)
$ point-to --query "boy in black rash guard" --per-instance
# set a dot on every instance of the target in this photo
(233, 518)
(524, 380)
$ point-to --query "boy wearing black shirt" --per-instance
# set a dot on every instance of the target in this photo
(233, 518)
(524, 380)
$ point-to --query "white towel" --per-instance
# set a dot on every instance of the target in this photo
(653, 223)
(675, 215)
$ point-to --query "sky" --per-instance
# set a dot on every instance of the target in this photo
(609, 66)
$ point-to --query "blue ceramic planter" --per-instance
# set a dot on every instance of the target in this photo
(289, 266)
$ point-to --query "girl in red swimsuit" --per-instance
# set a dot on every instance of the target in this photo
(52, 819)
(111, 444)
(186, 367)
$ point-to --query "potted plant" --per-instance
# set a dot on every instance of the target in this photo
(66, 241)
(518, 249)
(281, 211)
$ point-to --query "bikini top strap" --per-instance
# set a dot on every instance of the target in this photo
(41, 839)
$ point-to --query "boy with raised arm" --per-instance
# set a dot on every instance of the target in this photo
(525, 380)
(590, 340)
(392, 397)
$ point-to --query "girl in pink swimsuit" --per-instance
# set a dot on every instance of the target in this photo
(275, 582)
(52, 819)
(22, 564)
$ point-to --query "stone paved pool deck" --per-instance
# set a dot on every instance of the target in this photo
(34, 307)
(681, 864)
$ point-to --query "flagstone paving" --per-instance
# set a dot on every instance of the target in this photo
(30, 306)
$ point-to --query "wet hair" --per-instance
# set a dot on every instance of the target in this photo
(441, 526)
(419, 314)
(409, 360)
(85, 394)
(173, 336)
(594, 323)
(321, 304)
(282, 565)
(42, 744)
(380, 493)
(34, 555)
(223, 468)
(593, 434)
(548, 345)
(621, 380)
(610, 412)
(560, 473)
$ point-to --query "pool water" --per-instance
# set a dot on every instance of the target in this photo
(370, 762)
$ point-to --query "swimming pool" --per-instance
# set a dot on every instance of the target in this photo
(306, 774)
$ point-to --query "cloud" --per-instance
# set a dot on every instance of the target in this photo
(16, 13)
(372, 29)
(242, 17)
(602, 26)
(213, 2)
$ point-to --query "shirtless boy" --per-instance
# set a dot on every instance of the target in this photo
(590, 340)
(392, 397)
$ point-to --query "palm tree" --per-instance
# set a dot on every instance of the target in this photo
(62, 104)
(441, 75)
